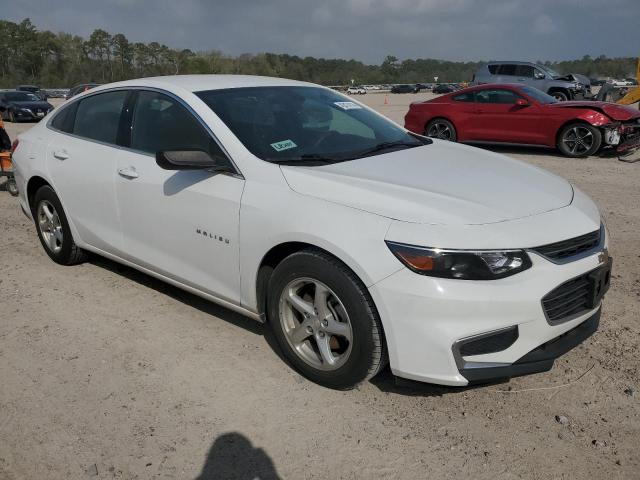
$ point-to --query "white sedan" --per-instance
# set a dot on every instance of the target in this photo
(360, 243)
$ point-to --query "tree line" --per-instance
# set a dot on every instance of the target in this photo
(29, 55)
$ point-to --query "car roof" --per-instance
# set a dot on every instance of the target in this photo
(496, 62)
(197, 83)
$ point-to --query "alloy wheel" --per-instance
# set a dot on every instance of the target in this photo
(439, 130)
(316, 324)
(50, 226)
(578, 140)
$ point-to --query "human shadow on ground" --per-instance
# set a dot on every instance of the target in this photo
(233, 457)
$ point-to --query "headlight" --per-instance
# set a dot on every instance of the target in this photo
(25, 110)
(461, 264)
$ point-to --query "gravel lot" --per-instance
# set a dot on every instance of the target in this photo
(108, 373)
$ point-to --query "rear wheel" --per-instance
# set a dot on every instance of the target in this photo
(442, 129)
(12, 187)
(53, 229)
(324, 320)
(579, 140)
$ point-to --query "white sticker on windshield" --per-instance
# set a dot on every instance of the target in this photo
(283, 145)
(347, 105)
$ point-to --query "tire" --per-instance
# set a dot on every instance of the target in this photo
(442, 129)
(12, 187)
(560, 96)
(579, 139)
(355, 343)
(53, 229)
(12, 117)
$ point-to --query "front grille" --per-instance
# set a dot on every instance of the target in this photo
(568, 248)
(568, 300)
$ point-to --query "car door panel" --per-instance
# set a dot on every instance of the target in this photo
(181, 223)
(81, 161)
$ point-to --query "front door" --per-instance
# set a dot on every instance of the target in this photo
(183, 224)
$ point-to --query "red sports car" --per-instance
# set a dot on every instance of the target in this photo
(518, 114)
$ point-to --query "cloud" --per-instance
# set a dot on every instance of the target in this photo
(544, 25)
(367, 30)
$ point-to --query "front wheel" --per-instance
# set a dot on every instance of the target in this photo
(325, 321)
(53, 229)
(442, 129)
(579, 140)
(560, 96)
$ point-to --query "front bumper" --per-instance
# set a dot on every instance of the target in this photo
(425, 317)
(538, 360)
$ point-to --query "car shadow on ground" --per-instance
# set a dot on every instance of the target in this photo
(233, 457)
(194, 301)
(386, 382)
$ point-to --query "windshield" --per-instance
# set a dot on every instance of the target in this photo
(550, 71)
(305, 124)
(21, 97)
(538, 96)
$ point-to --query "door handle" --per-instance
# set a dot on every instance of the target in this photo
(128, 172)
(61, 154)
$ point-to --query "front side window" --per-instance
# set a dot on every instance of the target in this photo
(98, 116)
(298, 124)
(524, 71)
(161, 123)
(496, 96)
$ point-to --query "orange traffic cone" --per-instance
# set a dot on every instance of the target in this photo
(386, 99)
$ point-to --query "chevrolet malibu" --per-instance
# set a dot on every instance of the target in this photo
(360, 243)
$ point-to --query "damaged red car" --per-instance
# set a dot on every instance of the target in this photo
(522, 115)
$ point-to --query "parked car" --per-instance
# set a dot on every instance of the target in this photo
(33, 89)
(356, 241)
(519, 114)
(356, 91)
(443, 88)
(597, 82)
(405, 88)
(23, 106)
(79, 89)
(561, 87)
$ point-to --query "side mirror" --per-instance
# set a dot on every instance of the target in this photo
(190, 160)
(521, 102)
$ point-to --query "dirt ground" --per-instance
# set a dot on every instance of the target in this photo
(108, 373)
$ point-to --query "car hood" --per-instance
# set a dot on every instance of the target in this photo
(443, 183)
(612, 110)
(32, 104)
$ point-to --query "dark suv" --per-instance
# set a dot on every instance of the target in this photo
(562, 87)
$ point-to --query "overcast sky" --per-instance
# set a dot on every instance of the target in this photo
(366, 30)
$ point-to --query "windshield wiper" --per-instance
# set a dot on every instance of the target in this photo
(306, 159)
(386, 146)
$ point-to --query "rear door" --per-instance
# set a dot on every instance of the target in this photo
(499, 119)
(82, 160)
(181, 224)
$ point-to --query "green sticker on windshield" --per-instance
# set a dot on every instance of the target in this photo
(283, 145)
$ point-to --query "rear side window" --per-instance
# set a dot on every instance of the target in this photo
(493, 69)
(507, 69)
(464, 97)
(65, 118)
(98, 116)
(162, 123)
